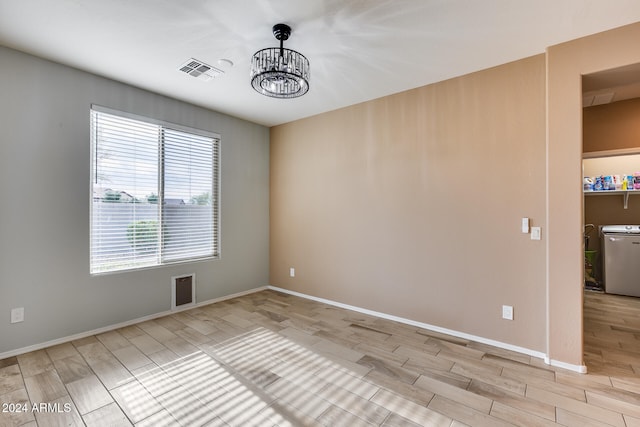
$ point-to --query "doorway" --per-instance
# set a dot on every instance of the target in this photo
(611, 163)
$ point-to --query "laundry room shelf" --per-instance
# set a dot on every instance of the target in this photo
(625, 194)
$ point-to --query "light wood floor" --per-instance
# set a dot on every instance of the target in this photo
(271, 359)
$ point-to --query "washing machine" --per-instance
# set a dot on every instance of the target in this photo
(621, 259)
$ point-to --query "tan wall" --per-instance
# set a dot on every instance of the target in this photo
(612, 126)
(625, 164)
(566, 63)
(411, 204)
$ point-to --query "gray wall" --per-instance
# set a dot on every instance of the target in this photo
(44, 209)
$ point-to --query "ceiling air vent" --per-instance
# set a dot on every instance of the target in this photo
(200, 70)
(603, 98)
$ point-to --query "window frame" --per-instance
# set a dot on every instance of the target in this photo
(215, 188)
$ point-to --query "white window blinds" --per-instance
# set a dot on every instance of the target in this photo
(155, 193)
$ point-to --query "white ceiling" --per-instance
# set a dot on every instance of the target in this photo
(358, 49)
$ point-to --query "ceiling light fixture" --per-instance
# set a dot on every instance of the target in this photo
(280, 72)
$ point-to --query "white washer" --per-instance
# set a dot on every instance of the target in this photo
(621, 252)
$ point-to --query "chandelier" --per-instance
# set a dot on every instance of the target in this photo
(280, 72)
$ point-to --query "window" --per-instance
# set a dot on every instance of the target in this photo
(155, 193)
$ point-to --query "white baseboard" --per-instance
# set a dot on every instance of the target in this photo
(540, 355)
(576, 368)
(104, 329)
(582, 369)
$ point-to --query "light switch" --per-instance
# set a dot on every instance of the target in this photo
(507, 312)
(525, 225)
(536, 233)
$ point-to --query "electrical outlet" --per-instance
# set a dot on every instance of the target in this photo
(507, 312)
(17, 315)
(292, 272)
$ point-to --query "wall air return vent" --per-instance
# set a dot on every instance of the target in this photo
(200, 70)
(183, 291)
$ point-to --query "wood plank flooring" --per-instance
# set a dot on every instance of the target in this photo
(271, 359)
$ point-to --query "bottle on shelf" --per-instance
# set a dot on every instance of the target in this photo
(617, 182)
(597, 184)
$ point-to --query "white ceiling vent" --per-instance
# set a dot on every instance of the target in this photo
(593, 98)
(200, 70)
(603, 98)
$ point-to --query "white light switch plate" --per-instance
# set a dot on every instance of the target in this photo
(525, 225)
(507, 312)
(536, 233)
(292, 272)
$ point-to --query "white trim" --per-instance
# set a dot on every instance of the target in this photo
(427, 326)
(611, 153)
(582, 369)
(104, 329)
